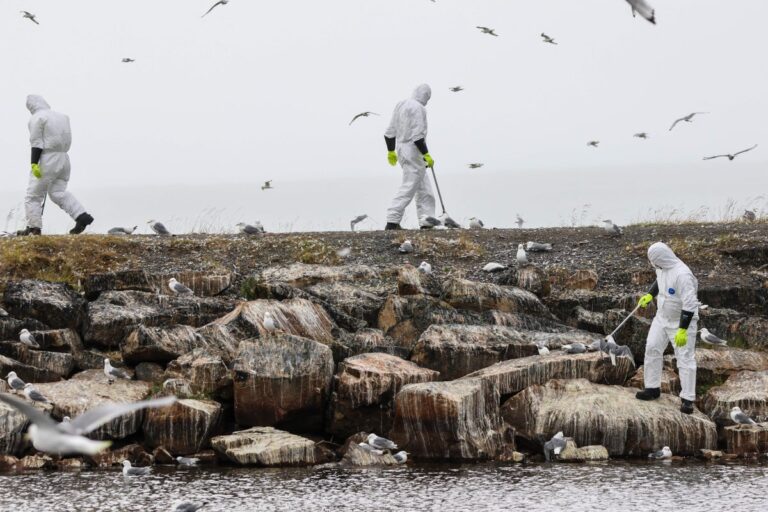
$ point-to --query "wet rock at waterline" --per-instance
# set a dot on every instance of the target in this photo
(183, 428)
(747, 390)
(13, 424)
(747, 439)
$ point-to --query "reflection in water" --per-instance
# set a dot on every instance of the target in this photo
(593, 487)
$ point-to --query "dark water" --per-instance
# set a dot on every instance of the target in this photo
(668, 487)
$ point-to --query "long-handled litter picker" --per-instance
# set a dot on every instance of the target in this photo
(610, 339)
(447, 220)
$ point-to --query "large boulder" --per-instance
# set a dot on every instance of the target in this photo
(90, 389)
(268, 447)
(457, 350)
(747, 390)
(27, 373)
(114, 315)
(364, 389)
(456, 420)
(715, 365)
(534, 279)
(57, 363)
(59, 339)
(282, 380)
(511, 377)
(611, 416)
(206, 373)
(12, 427)
(747, 439)
(10, 327)
(301, 275)
(183, 428)
(351, 300)
(202, 284)
(55, 304)
(750, 330)
(160, 344)
(670, 381)
(412, 282)
(364, 341)
(475, 296)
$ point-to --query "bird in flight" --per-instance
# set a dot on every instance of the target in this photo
(31, 17)
(362, 114)
(730, 156)
(641, 135)
(220, 2)
(267, 185)
(489, 31)
(128, 60)
(593, 143)
(644, 9)
(547, 39)
(519, 221)
(687, 119)
(475, 165)
(458, 88)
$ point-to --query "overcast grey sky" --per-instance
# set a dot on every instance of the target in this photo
(265, 90)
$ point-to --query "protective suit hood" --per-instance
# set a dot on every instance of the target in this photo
(422, 94)
(36, 103)
(661, 256)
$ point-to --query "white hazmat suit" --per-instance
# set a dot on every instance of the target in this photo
(49, 131)
(408, 125)
(678, 290)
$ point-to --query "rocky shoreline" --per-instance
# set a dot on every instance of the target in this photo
(445, 364)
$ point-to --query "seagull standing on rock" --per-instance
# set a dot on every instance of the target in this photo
(269, 322)
(475, 223)
(380, 443)
(740, 418)
(554, 445)
(178, 288)
(664, 453)
(15, 382)
(27, 339)
(522, 257)
(113, 373)
(33, 394)
(611, 228)
(711, 339)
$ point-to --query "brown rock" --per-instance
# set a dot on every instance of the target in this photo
(474, 296)
(711, 454)
(26, 372)
(207, 374)
(34, 462)
(13, 424)
(412, 282)
(350, 300)
(58, 339)
(627, 426)
(56, 364)
(202, 284)
(456, 420)
(282, 380)
(670, 381)
(132, 452)
(266, 446)
(8, 463)
(513, 376)
(747, 390)
(716, 365)
(184, 428)
(365, 341)
(70, 464)
(364, 390)
(750, 329)
(301, 275)
(163, 456)
(534, 280)
(150, 372)
(159, 344)
(747, 439)
(180, 388)
(572, 453)
(582, 280)
(355, 456)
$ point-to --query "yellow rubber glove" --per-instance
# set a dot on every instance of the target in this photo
(645, 300)
(36, 172)
(430, 161)
(681, 338)
(392, 158)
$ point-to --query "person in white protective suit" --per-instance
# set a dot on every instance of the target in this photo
(50, 137)
(676, 322)
(407, 133)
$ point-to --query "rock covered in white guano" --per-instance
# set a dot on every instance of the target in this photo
(58, 339)
(670, 381)
(114, 315)
(611, 416)
(534, 279)
(55, 304)
(302, 275)
(364, 388)
(10, 327)
(207, 373)
(515, 375)
(351, 300)
(583, 279)
(183, 428)
(715, 365)
(269, 447)
(282, 380)
(746, 439)
(90, 389)
(160, 344)
(746, 390)
(59, 364)
(477, 296)
(348, 344)
(27, 373)
(202, 284)
(12, 427)
(412, 282)
(457, 420)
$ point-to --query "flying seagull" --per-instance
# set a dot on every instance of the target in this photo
(158, 228)
(547, 39)
(15, 382)
(357, 220)
(475, 165)
(128, 60)
(644, 9)
(189, 507)
(593, 143)
(187, 461)
(641, 135)
(33, 394)
(489, 31)
(380, 443)
(664, 453)
(522, 257)
(247, 229)
(178, 288)
(362, 114)
(27, 339)
(458, 88)
(31, 17)
(738, 417)
(687, 119)
(611, 228)
(122, 231)
(730, 156)
(220, 2)
(113, 373)
(267, 185)
(711, 339)
(128, 470)
(475, 223)
(67, 438)
(554, 445)
(520, 221)
(401, 457)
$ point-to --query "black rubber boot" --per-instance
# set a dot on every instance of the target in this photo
(29, 232)
(81, 222)
(686, 407)
(391, 226)
(648, 394)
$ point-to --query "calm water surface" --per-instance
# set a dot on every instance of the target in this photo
(594, 487)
